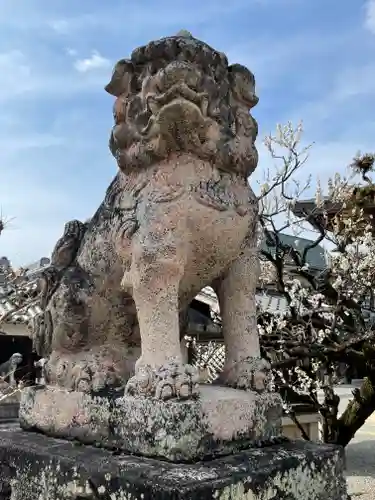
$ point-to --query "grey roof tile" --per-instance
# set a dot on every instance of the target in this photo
(316, 257)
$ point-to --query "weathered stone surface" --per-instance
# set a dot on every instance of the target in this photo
(221, 421)
(35, 467)
(178, 216)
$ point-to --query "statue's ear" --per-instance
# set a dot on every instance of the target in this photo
(117, 85)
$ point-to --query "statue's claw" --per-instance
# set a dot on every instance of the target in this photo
(167, 382)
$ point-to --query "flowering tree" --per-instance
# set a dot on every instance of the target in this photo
(17, 296)
(327, 323)
(330, 315)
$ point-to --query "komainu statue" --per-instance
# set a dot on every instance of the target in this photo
(178, 216)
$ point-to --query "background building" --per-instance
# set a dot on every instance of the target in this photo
(19, 303)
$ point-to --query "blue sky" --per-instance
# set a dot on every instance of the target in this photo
(313, 60)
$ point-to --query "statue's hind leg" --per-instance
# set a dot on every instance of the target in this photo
(87, 338)
(155, 276)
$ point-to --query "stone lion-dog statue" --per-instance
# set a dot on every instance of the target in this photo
(178, 216)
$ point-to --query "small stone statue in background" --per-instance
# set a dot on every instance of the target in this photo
(8, 368)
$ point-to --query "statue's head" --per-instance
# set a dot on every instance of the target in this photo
(179, 95)
(16, 359)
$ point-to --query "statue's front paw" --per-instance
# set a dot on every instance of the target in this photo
(186, 386)
(253, 374)
(165, 389)
(166, 382)
(142, 383)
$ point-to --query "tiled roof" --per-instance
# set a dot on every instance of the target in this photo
(316, 257)
(271, 303)
(208, 296)
(19, 297)
(267, 302)
(36, 267)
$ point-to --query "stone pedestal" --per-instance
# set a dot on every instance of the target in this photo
(36, 467)
(221, 421)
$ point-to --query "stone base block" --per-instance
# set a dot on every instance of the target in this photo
(36, 467)
(220, 422)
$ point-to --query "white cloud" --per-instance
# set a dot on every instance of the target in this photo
(46, 76)
(357, 80)
(61, 26)
(69, 25)
(370, 15)
(15, 72)
(71, 52)
(345, 92)
(94, 62)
